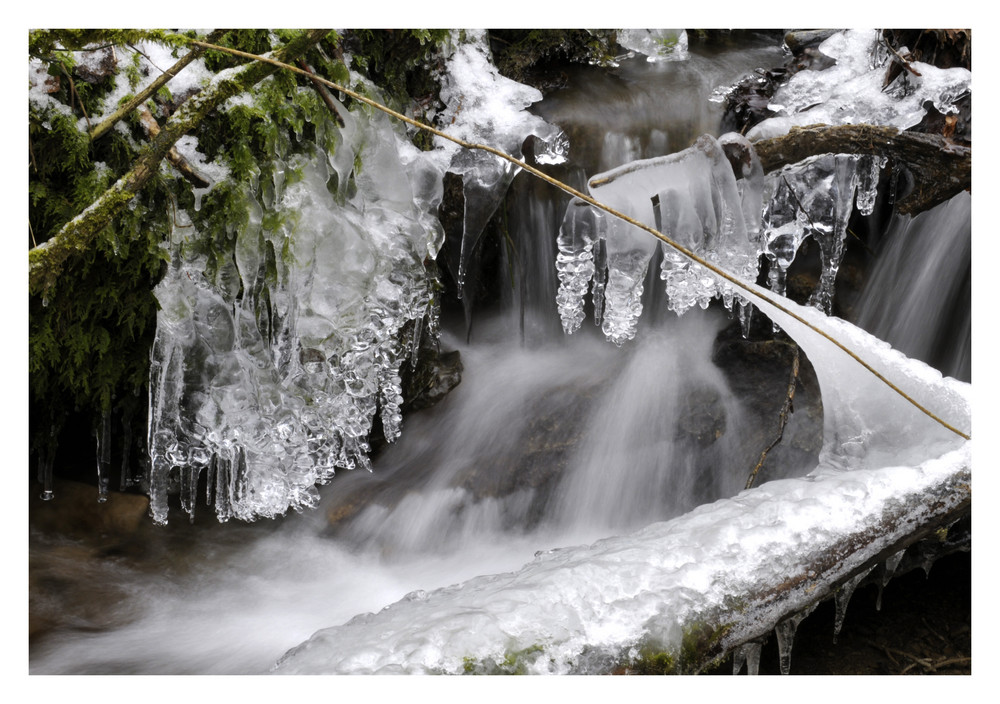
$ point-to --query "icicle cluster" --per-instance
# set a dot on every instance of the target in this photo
(269, 366)
(695, 198)
(709, 199)
(814, 198)
(267, 375)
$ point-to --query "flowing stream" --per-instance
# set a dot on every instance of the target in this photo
(549, 441)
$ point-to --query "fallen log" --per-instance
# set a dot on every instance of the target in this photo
(939, 168)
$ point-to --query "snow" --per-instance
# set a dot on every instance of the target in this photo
(852, 91)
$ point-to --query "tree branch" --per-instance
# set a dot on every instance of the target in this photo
(102, 128)
(152, 128)
(939, 167)
(45, 261)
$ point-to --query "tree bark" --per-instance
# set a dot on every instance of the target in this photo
(939, 167)
(46, 260)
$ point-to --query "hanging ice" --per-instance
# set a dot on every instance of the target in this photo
(813, 198)
(484, 107)
(575, 261)
(785, 635)
(268, 367)
(842, 598)
(695, 199)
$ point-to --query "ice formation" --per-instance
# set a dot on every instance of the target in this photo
(655, 44)
(852, 92)
(269, 367)
(593, 608)
(695, 199)
(271, 390)
(590, 608)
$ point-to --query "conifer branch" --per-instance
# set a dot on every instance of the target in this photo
(46, 260)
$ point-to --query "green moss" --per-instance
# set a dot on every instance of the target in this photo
(697, 641)
(513, 662)
(395, 59)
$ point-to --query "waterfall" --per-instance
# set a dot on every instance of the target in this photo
(918, 296)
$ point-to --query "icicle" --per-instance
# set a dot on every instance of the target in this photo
(623, 295)
(46, 459)
(746, 317)
(888, 569)
(575, 261)
(785, 631)
(869, 168)
(418, 328)
(841, 598)
(127, 478)
(600, 277)
(210, 479)
(223, 488)
(748, 653)
(828, 217)
(104, 457)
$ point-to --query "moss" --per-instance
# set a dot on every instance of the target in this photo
(513, 662)
(395, 59)
(518, 51)
(697, 642)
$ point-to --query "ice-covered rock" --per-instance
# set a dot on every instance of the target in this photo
(655, 44)
(852, 92)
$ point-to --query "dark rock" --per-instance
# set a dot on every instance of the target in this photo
(800, 41)
(435, 375)
(97, 65)
(758, 372)
(75, 512)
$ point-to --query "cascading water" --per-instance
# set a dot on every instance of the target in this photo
(550, 440)
(918, 295)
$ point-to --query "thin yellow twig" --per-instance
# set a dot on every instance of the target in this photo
(597, 204)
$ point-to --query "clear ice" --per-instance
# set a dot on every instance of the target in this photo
(694, 198)
(842, 598)
(268, 367)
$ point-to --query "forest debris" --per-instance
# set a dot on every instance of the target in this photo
(786, 410)
(173, 156)
(939, 167)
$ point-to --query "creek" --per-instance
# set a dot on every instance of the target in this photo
(549, 441)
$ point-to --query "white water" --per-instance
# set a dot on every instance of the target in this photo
(237, 606)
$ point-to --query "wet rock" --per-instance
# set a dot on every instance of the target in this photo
(436, 374)
(758, 372)
(75, 512)
(68, 588)
(801, 40)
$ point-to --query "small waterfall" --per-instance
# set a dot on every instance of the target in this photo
(918, 296)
